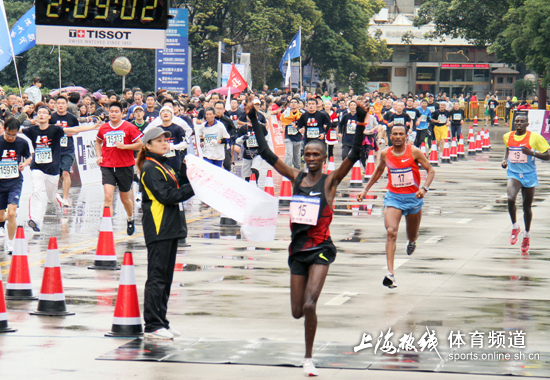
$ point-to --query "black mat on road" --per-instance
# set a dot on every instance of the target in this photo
(326, 355)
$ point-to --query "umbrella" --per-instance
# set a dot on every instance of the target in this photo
(78, 89)
(223, 91)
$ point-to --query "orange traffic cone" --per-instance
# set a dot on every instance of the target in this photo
(330, 167)
(478, 143)
(454, 150)
(105, 254)
(4, 328)
(19, 285)
(471, 133)
(472, 145)
(356, 180)
(51, 301)
(475, 121)
(369, 169)
(433, 154)
(269, 187)
(127, 319)
(446, 157)
(496, 119)
(484, 134)
(369, 204)
(286, 191)
(460, 153)
(423, 148)
(488, 140)
(252, 179)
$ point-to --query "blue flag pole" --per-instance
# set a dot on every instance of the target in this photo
(301, 69)
(10, 44)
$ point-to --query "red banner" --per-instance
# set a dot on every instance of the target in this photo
(277, 133)
(236, 80)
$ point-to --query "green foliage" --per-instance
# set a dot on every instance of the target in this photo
(524, 87)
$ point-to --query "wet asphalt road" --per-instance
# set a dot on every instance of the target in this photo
(463, 276)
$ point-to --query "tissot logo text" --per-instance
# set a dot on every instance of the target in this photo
(99, 34)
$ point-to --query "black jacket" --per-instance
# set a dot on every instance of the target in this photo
(161, 196)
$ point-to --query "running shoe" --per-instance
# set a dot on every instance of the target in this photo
(64, 202)
(8, 246)
(160, 334)
(514, 236)
(411, 247)
(59, 200)
(389, 281)
(176, 333)
(309, 368)
(34, 225)
(525, 245)
(131, 227)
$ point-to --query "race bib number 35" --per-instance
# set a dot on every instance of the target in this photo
(304, 210)
(402, 177)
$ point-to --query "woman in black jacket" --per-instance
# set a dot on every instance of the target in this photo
(163, 225)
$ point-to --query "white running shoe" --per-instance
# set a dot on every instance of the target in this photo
(309, 368)
(160, 334)
(8, 246)
(176, 333)
(389, 281)
(64, 202)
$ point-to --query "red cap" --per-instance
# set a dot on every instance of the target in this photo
(53, 243)
(20, 234)
(128, 260)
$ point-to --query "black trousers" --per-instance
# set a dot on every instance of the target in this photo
(161, 259)
(227, 160)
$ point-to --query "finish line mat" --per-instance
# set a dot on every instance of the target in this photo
(326, 355)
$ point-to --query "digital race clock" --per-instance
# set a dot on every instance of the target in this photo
(107, 23)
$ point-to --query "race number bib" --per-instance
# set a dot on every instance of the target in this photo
(252, 142)
(332, 135)
(9, 169)
(457, 116)
(442, 119)
(411, 114)
(64, 141)
(402, 177)
(112, 137)
(423, 118)
(492, 106)
(412, 136)
(209, 139)
(43, 155)
(399, 121)
(304, 210)
(170, 153)
(313, 133)
(292, 131)
(350, 130)
(517, 156)
(432, 109)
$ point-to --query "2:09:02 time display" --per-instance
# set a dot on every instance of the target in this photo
(103, 13)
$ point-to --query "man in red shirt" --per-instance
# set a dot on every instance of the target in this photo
(114, 146)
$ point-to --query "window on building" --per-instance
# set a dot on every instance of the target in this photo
(382, 74)
(426, 73)
(509, 80)
(481, 75)
(445, 75)
(500, 80)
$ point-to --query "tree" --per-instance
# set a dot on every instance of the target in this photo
(524, 87)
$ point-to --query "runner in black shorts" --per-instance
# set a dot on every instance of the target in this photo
(311, 249)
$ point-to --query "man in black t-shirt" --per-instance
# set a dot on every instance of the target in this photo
(14, 157)
(456, 115)
(46, 141)
(64, 119)
(414, 115)
(440, 120)
(151, 113)
(493, 105)
(398, 118)
(313, 124)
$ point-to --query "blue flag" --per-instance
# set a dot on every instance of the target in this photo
(23, 33)
(5, 46)
(294, 50)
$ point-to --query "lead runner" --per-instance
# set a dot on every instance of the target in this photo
(311, 249)
(404, 195)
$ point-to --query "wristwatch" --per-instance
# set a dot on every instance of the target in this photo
(425, 189)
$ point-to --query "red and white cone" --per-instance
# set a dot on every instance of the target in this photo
(51, 301)
(460, 152)
(479, 147)
(433, 154)
(331, 166)
(252, 180)
(105, 254)
(286, 192)
(4, 328)
(446, 157)
(484, 146)
(488, 140)
(423, 149)
(471, 134)
(356, 180)
(454, 150)
(496, 119)
(475, 121)
(472, 145)
(19, 285)
(370, 199)
(269, 187)
(127, 318)
(369, 169)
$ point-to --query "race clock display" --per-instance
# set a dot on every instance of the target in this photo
(128, 14)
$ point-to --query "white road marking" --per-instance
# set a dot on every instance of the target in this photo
(341, 299)
(434, 239)
(464, 221)
(397, 263)
(488, 207)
